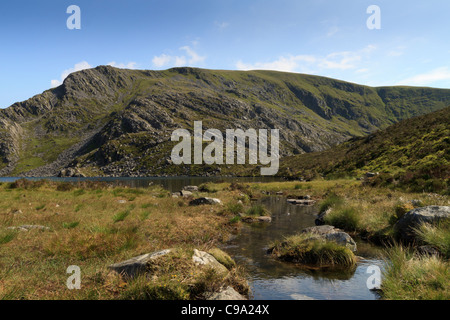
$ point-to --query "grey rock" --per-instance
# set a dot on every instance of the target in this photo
(414, 218)
(225, 294)
(137, 265)
(205, 259)
(302, 202)
(29, 227)
(186, 194)
(201, 201)
(191, 188)
(264, 219)
(330, 233)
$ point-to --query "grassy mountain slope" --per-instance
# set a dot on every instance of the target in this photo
(109, 121)
(414, 152)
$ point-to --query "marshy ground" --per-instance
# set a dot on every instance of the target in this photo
(92, 225)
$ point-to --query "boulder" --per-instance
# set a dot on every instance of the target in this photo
(201, 201)
(205, 259)
(414, 218)
(330, 233)
(185, 193)
(137, 265)
(225, 294)
(190, 188)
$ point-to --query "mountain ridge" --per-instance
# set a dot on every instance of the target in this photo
(109, 121)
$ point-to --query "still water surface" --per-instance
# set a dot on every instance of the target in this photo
(275, 280)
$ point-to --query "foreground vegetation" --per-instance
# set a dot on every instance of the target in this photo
(92, 225)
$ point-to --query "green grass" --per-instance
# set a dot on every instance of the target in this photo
(347, 219)
(437, 236)
(300, 249)
(121, 216)
(7, 236)
(412, 277)
(330, 201)
(70, 225)
(412, 155)
(257, 210)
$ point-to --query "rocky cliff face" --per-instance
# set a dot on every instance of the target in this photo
(108, 121)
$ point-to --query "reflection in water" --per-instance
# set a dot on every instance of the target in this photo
(271, 279)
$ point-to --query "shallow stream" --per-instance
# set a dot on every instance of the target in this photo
(275, 280)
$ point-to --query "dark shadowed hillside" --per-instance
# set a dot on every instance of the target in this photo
(414, 153)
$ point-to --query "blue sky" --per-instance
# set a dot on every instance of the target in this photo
(322, 37)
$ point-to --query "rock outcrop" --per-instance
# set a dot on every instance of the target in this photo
(413, 219)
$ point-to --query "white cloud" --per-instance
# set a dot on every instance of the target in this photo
(161, 61)
(346, 60)
(287, 64)
(129, 65)
(221, 25)
(191, 58)
(194, 57)
(439, 74)
(332, 31)
(77, 67)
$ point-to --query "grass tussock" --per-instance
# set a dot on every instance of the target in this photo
(304, 250)
(409, 276)
(257, 211)
(437, 236)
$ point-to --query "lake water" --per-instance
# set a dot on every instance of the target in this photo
(172, 184)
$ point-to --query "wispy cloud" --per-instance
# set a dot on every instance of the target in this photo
(128, 65)
(221, 25)
(332, 31)
(345, 60)
(191, 58)
(77, 67)
(427, 78)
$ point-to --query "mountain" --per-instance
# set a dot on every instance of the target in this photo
(115, 122)
(414, 153)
